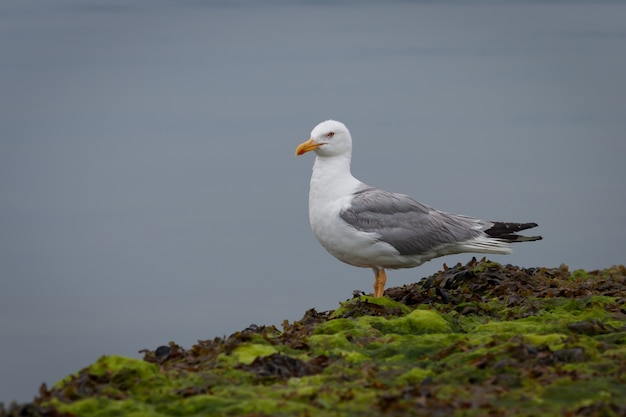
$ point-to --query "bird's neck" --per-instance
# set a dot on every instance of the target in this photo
(332, 177)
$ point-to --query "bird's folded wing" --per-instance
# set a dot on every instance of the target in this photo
(410, 227)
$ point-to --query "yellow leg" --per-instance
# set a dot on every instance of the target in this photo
(379, 282)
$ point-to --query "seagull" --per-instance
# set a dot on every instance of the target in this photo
(372, 228)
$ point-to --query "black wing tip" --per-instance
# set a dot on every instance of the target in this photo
(506, 231)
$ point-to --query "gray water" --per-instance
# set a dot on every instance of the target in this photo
(148, 186)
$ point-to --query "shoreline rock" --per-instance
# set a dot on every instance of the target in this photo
(474, 339)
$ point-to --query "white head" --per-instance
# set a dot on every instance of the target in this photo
(329, 138)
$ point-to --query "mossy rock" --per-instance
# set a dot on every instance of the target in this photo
(471, 340)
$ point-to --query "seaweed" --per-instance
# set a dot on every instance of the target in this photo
(471, 340)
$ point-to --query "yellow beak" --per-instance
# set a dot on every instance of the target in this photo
(307, 146)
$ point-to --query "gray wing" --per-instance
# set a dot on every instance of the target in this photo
(410, 227)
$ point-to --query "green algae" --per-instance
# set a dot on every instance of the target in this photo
(415, 376)
(247, 353)
(472, 340)
(416, 322)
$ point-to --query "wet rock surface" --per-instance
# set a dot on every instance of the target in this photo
(472, 340)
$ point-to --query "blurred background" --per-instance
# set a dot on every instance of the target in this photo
(148, 186)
